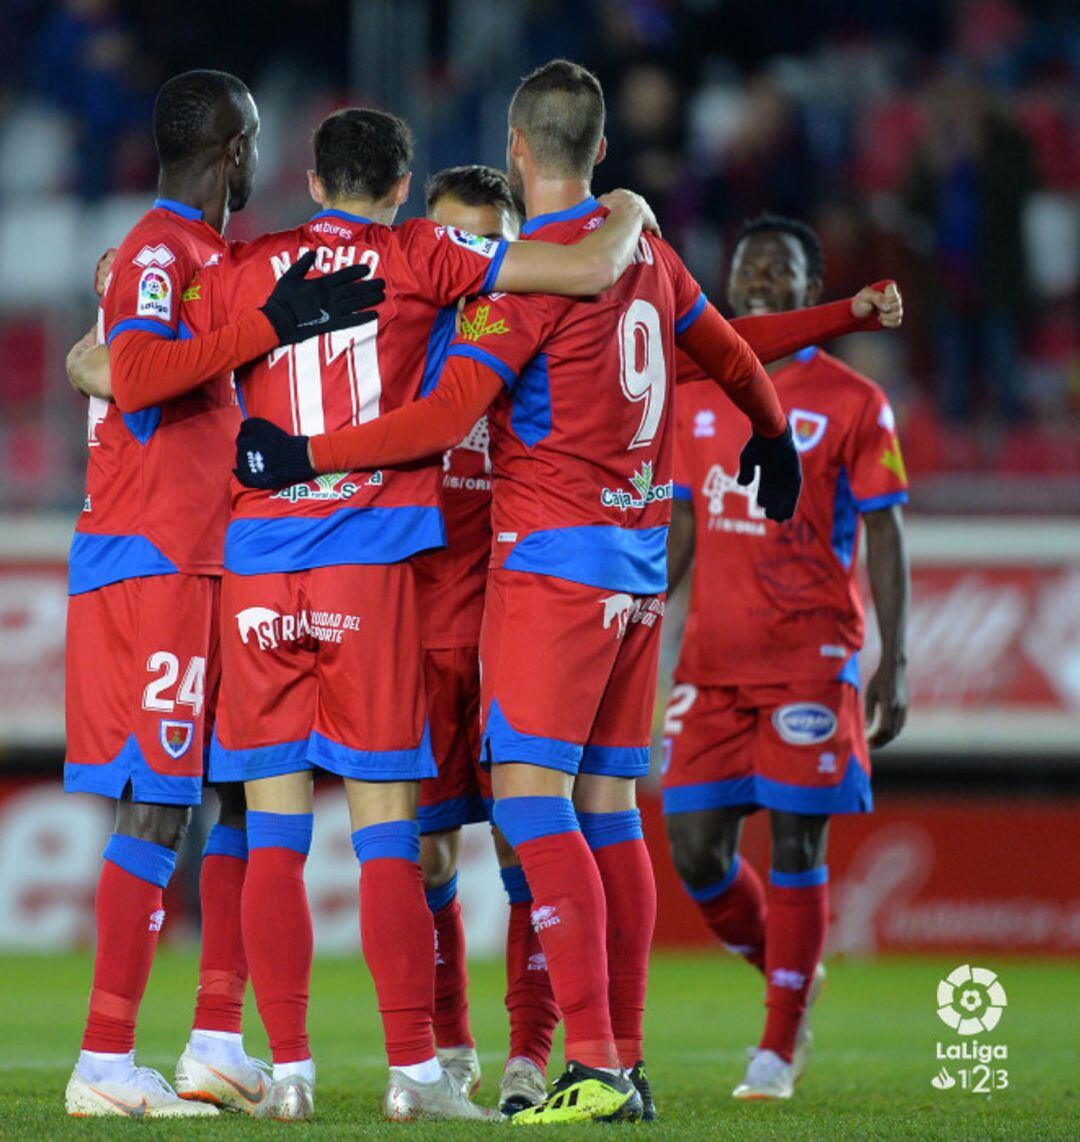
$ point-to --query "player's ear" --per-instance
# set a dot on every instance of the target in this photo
(234, 149)
(316, 188)
(814, 289)
(515, 144)
(601, 151)
(400, 193)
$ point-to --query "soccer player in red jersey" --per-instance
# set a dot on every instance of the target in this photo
(145, 568)
(582, 461)
(322, 661)
(765, 710)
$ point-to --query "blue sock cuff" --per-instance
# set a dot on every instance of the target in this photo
(280, 831)
(394, 839)
(712, 891)
(224, 840)
(439, 898)
(517, 887)
(602, 829)
(149, 862)
(522, 819)
(812, 878)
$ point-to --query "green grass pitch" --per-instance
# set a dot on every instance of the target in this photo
(876, 1033)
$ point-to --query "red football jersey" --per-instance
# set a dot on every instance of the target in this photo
(776, 602)
(581, 446)
(450, 582)
(157, 480)
(346, 378)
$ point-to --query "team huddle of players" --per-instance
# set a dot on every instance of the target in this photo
(440, 574)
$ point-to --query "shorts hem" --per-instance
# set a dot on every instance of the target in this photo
(452, 814)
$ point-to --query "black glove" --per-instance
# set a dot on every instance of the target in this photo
(300, 307)
(781, 473)
(269, 457)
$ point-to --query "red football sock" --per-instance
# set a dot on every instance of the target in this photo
(630, 891)
(530, 1002)
(798, 918)
(277, 936)
(570, 916)
(451, 979)
(737, 914)
(223, 970)
(129, 918)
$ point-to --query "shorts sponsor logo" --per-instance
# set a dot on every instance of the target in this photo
(157, 920)
(155, 295)
(154, 256)
(804, 723)
(485, 247)
(176, 737)
(323, 488)
(623, 609)
(642, 483)
(268, 629)
(718, 486)
(472, 329)
(807, 428)
(537, 962)
(546, 916)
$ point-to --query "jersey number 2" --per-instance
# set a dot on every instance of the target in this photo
(642, 368)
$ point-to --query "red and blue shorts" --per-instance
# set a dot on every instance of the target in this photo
(568, 674)
(461, 793)
(798, 747)
(321, 669)
(142, 670)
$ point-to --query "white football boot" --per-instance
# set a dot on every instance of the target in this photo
(407, 1100)
(289, 1099)
(767, 1077)
(240, 1084)
(523, 1085)
(141, 1093)
(462, 1064)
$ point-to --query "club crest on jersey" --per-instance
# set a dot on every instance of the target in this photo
(479, 326)
(804, 723)
(154, 256)
(155, 295)
(642, 483)
(176, 737)
(807, 427)
(485, 247)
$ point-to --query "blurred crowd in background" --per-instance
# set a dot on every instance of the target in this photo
(935, 142)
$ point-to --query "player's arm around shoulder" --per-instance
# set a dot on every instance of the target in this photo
(585, 268)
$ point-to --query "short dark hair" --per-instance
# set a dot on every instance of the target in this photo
(803, 234)
(560, 110)
(473, 185)
(188, 115)
(361, 153)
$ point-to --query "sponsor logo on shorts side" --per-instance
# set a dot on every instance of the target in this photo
(176, 737)
(804, 723)
(623, 609)
(546, 916)
(267, 629)
(157, 920)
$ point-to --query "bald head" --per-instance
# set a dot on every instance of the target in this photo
(559, 109)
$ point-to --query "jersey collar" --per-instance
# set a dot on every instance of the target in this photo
(181, 208)
(586, 206)
(344, 215)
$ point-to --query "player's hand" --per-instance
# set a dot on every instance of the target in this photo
(269, 457)
(87, 367)
(300, 307)
(103, 269)
(886, 703)
(628, 200)
(883, 299)
(781, 473)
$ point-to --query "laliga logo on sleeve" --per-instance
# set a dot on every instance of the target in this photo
(155, 295)
(804, 723)
(971, 1000)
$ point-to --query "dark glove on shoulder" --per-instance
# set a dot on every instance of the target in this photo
(781, 473)
(269, 457)
(300, 307)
